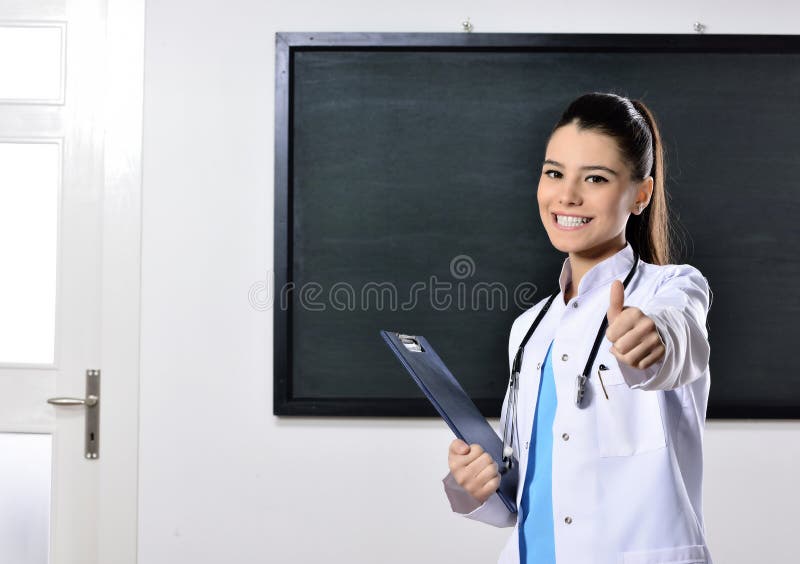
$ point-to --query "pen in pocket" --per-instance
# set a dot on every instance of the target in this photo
(600, 375)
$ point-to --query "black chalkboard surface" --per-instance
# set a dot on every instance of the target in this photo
(405, 199)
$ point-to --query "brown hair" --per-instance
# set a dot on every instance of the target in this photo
(633, 126)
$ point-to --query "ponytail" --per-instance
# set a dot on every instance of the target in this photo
(649, 232)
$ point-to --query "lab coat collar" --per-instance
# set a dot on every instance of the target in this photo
(600, 274)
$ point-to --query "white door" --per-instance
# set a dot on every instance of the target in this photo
(70, 130)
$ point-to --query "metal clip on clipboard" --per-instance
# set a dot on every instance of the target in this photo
(410, 342)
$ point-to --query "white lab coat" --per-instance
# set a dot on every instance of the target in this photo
(627, 471)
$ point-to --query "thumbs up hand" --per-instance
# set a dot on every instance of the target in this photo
(634, 336)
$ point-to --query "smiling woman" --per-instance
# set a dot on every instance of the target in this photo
(607, 461)
(584, 212)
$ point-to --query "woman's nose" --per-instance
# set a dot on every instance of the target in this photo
(570, 192)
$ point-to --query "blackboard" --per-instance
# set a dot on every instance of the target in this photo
(409, 162)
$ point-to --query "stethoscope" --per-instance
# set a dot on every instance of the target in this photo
(510, 429)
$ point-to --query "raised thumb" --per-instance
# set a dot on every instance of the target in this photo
(617, 301)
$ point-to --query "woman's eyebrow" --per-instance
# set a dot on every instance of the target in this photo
(587, 167)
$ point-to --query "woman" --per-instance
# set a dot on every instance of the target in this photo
(618, 478)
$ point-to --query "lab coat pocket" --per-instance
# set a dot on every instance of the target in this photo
(628, 421)
(693, 554)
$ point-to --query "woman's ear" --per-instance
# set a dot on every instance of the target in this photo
(644, 192)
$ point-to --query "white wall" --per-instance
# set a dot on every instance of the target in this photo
(221, 478)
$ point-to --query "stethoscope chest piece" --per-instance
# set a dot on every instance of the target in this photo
(580, 389)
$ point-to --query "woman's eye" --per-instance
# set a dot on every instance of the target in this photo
(547, 173)
(596, 176)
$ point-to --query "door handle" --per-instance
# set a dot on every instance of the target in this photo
(92, 403)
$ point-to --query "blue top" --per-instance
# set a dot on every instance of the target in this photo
(536, 541)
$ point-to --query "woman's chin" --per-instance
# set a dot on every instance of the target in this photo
(563, 244)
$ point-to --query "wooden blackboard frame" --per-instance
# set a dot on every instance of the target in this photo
(287, 44)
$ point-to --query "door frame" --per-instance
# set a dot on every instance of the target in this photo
(118, 489)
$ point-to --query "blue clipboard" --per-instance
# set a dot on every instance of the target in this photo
(453, 404)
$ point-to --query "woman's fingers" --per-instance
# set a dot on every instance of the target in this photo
(489, 488)
(480, 464)
(459, 447)
(641, 345)
(456, 460)
(473, 469)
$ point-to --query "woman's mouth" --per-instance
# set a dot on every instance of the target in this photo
(570, 222)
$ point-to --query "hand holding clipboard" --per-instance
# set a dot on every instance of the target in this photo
(454, 406)
(473, 469)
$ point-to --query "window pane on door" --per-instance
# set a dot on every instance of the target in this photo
(31, 63)
(29, 194)
(25, 476)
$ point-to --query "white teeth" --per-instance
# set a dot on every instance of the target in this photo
(570, 221)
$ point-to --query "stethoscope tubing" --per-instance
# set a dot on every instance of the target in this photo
(510, 430)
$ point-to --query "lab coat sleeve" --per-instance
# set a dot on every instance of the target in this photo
(679, 309)
(493, 511)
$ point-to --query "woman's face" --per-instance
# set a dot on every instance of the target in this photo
(584, 176)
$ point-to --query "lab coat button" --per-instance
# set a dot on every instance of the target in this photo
(526, 445)
(538, 365)
(565, 436)
(574, 304)
(564, 357)
(568, 520)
